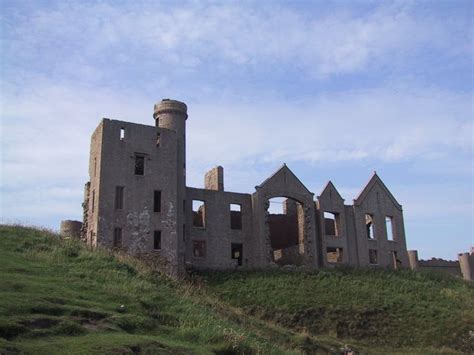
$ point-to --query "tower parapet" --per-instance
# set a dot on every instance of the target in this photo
(170, 114)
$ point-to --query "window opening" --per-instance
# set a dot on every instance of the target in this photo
(139, 165)
(334, 255)
(331, 223)
(199, 248)
(236, 253)
(157, 240)
(119, 197)
(157, 201)
(396, 262)
(373, 256)
(199, 214)
(369, 225)
(117, 237)
(235, 216)
(122, 134)
(158, 139)
(390, 228)
(93, 201)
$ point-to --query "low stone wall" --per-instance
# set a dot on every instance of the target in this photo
(441, 265)
(70, 229)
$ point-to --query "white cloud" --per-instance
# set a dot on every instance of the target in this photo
(226, 34)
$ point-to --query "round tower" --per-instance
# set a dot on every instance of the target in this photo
(172, 115)
(70, 229)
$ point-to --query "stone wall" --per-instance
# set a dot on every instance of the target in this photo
(226, 238)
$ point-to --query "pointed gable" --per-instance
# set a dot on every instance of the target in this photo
(284, 178)
(330, 193)
(375, 181)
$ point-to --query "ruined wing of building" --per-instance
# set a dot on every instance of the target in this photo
(137, 201)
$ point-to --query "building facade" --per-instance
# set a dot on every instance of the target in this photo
(137, 200)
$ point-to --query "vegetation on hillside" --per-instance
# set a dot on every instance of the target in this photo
(378, 308)
(59, 297)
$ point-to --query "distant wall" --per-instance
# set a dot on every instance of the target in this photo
(440, 265)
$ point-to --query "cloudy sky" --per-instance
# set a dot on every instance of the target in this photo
(335, 89)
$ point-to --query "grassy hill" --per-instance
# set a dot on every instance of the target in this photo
(59, 297)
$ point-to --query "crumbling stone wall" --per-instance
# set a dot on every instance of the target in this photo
(227, 238)
(70, 229)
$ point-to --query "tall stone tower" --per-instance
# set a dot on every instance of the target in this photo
(172, 115)
(134, 200)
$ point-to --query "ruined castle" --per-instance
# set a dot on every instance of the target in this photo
(137, 201)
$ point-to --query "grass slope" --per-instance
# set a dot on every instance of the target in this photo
(372, 308)
(58, 297)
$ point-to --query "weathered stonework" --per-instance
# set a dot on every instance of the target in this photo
(137, 200)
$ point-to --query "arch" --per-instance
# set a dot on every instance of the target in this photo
(285, 184)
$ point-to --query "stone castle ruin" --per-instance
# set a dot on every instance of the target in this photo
(137, 201)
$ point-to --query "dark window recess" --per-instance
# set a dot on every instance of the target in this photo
(119, 197)
(184, 232)
(395, 260)
(157, 201)
(93, 201)
(158, 139)
(157, 240)
(373, 256)
(369, 226)
(139, 165)
(95, 167)
(199, 248)
(334, 255)
(117, 237)
(199, 214)
(235, 216)
(331, 223)
(236, 252)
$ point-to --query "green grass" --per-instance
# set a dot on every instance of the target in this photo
(371, 308)
(59, 297)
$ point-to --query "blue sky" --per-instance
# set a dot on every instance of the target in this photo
(335, 89)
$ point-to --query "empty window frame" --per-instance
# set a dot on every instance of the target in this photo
(158, 139)
(199, 214)
(139, 165)
(236, 252)
(157, 201)
(95, 167)
(369, 226)
(117, 237)
(331, 223)
(390, 227)
(157, 240)
(122, 134)
(396, 262)
(334, 255)
(199, 248)
(373, 257)
(235, 216)
(119, 197)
